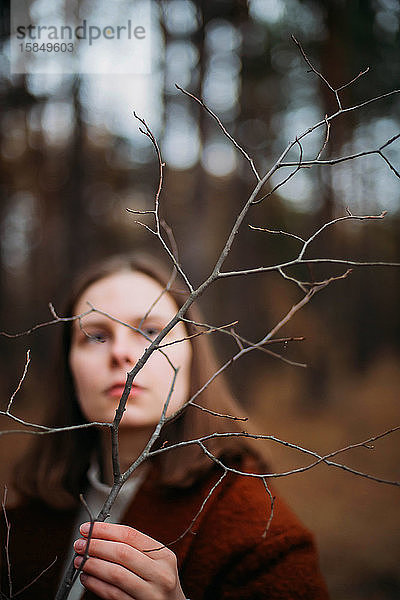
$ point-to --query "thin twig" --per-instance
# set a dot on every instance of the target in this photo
(43, 429)
(335, 91)
(148, 133)
(27, 361)
(36, 578)
(272, 505)
(298, 165)
(326, 140)
(345, 85)
(57, 319)
(277, 232)
(334, 222)
(89, 539)
(240, 341)
(319, 458)
(341, 159)
(197, 515)
(7, 542)
(223, 129)
(295, 308)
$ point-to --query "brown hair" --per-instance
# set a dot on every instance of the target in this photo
(56, 468)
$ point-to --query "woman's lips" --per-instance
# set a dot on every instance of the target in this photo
(116, 390)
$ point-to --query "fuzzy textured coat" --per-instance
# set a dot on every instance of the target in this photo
(227, 557)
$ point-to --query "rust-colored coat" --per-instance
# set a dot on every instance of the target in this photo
(227, 558)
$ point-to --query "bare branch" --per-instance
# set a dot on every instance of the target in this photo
(298, 165)
(141, 212)
(277, 232)
(12, 595)
(147, 132)
(52, 310)
(194, 335)
(42, 429)
(57, 319)
(213, 412)
(313, 69)
(336, 161)
(300, 260)
(228, 135)
(333, 222)
(304, 285)
(244, 346)
(119, 478)
(89, 539)
(240, 340)
(326, 140)
(295, 308)
(252, 347)
(335, 91)
(361, 74)
(28, 358)
(193, 521)
(7, 541)
(306, 261)
(389, 142)
(36, 578)
(272, 499)
(280, 162)
(320, 458)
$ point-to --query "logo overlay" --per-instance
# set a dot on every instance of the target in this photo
(102, 37)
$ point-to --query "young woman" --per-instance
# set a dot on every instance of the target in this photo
(179, 528)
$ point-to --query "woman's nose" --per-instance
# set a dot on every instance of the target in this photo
(124, 351)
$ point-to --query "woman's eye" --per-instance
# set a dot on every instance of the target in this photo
(96, 336)
(151, 332)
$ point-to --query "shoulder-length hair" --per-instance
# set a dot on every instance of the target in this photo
(55, 470)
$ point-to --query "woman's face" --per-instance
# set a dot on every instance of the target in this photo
(104, 350)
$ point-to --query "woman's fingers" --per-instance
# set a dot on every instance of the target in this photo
(127, 535)
(104, 589)
(121, 558)
(110, 580)
(118, 553)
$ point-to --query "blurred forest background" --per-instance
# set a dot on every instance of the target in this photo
(72, 161)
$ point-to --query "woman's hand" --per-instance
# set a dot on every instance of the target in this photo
(120, 567)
